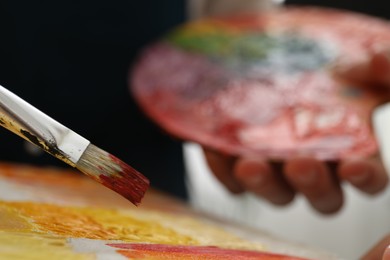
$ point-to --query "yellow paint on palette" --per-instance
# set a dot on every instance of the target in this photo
(21, 246)
(92, 223)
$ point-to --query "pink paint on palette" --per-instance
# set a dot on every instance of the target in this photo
(263, 84)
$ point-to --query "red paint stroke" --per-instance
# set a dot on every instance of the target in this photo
(158, 251)
(128, 182)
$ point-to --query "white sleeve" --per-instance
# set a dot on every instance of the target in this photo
(201, 8)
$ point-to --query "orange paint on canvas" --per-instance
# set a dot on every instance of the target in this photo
(41, 175)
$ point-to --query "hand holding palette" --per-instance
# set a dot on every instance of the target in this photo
(263, 84)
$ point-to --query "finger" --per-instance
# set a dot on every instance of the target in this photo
(367, 175)
(315, 181)
(379, 68)
(222, 168)
(258, 177)
(379, 250)
(386, 255)
(354, 72)
(374, 70)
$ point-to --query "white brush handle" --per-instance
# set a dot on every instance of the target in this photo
(381, 123)
(36, 127)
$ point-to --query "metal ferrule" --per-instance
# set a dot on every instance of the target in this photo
(36, 127)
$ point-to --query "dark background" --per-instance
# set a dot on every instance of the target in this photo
(71, 60)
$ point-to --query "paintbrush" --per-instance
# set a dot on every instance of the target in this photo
(28, 122)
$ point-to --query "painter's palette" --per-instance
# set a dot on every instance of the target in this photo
(264, 83)
(56, 214)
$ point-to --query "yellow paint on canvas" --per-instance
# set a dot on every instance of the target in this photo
(20, 239)
(110, 224)
(32, 246)
(93, 223)
(11, 220)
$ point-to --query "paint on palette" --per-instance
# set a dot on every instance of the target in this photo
(263, 84)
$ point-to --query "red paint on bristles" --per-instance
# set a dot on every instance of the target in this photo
(129, 183)
(113, 173)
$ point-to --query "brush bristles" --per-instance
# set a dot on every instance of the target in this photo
(113, 173)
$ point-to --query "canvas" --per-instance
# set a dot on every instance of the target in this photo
(47, 213)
